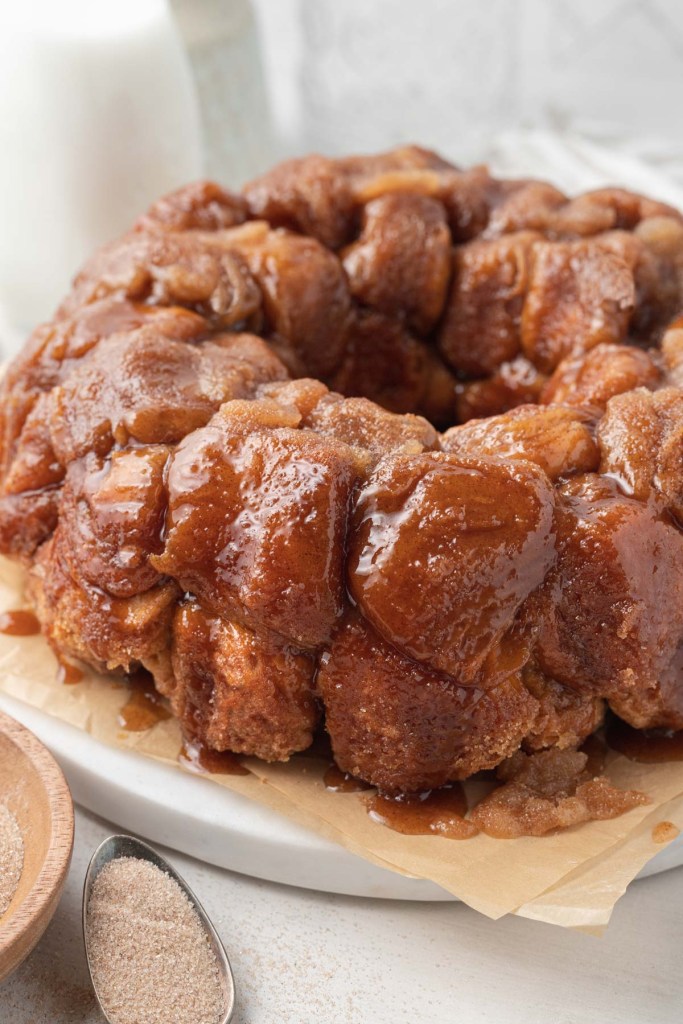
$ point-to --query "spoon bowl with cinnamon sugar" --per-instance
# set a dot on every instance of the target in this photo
(153, 954)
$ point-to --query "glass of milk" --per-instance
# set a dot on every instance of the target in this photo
(98, 117)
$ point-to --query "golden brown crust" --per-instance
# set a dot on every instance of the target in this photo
(403, 726)
(548, 791)
(273, 550)
(444, 550)
(559, 438)
(238, 690)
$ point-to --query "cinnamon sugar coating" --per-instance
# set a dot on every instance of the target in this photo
(548, 791)
(380, 442)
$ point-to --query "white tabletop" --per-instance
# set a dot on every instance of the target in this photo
(302, 957)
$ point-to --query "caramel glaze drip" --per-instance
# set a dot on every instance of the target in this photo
(198, 758)
(664, 832)
(145, 705)
(19, 623)
(341, 782)
(648, 746)
(68, 673)
(438, 812)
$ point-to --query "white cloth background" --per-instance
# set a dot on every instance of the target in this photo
(357, 75)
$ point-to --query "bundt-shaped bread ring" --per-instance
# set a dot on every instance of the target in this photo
(221, 461)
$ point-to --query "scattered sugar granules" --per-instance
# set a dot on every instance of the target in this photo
(11, 857)
(150, 958)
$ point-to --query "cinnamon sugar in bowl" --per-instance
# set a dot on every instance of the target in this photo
(36, 838)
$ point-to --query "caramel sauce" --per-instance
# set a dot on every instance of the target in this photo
(198, 758)
(438, 812)
(19, 623)
(145, 705)
(341, 782)
(68, 673)
(664, 832)
(648, 746)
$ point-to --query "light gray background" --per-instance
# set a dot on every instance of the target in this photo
(362, 74)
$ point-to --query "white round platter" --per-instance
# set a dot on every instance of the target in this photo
(197, 817)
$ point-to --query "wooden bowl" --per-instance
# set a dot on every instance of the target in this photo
(35, 791)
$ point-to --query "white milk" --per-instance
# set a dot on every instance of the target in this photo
(98, 117)
(222, 41)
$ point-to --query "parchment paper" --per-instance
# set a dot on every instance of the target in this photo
(571, 879)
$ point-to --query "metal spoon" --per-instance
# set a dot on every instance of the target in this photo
(127, 846)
